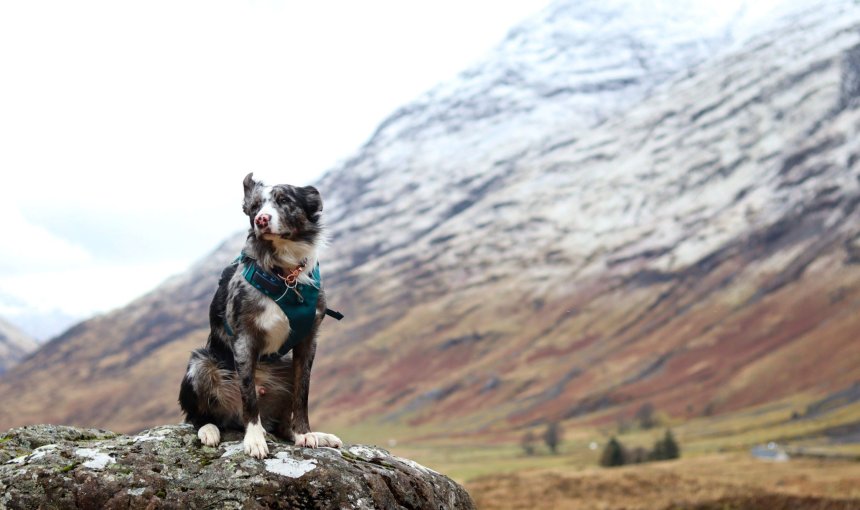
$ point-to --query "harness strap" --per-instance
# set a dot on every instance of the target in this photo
(334, 314)
(298, 301)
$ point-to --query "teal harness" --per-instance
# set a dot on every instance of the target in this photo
(298, 301)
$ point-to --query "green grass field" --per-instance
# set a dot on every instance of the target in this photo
(467, 458)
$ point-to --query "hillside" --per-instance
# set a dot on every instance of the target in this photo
(14, 345)
(615, 207)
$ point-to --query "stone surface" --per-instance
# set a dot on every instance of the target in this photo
(167, 467)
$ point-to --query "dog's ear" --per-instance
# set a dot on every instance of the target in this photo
(313, 202)
(249, 183)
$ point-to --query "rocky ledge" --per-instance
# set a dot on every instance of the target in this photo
(167, 467)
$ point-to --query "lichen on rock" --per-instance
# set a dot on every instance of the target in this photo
(167, 467)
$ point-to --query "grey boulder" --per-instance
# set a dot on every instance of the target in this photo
(47, 466)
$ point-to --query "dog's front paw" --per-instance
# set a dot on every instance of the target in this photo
(255, 441)
(315, 439)
(209, 435)
(329, 440)
(308, 440)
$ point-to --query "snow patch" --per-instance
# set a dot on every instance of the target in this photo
(136, 492)
(98, 460)
(285, 465)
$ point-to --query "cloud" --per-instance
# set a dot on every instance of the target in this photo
(25, 247)
(86, 290)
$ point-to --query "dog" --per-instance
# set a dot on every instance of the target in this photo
(254, 373)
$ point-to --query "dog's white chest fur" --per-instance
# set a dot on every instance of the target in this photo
(273, 321)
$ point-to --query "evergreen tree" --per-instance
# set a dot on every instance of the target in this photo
(613, 454)
(658, 452)
(666, 448)
(670, 446)
(552, 436)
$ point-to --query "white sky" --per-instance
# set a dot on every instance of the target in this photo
(126, 128)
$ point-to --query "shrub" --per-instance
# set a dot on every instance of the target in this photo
(528, 443)
(645, 416)
(637, 455)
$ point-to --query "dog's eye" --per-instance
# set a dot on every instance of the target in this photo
(282, 200)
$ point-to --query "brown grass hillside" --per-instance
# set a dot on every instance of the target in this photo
(724, 482)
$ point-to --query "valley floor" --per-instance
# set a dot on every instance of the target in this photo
(725, 481)
(716, 471)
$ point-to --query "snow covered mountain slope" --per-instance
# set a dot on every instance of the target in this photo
(697, 251)
(612, 209)
(568, 69)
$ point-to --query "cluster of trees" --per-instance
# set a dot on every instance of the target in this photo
(615, 454)
(551, 437)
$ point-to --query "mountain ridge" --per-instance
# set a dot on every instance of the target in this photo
(15, 345)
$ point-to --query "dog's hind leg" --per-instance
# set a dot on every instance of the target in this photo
(209, 434)
(274, 395)
(209, 396)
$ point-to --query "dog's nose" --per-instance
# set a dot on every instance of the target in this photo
(262, 220)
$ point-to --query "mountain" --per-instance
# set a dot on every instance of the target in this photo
(696, 251)
(14, 345)
(618, 206)
(38, 323)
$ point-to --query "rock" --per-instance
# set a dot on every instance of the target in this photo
(167, 467)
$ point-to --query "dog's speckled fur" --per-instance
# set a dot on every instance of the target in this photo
(226, 385)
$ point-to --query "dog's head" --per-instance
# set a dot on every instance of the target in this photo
(283, 212)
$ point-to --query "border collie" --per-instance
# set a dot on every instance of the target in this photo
(254, 373)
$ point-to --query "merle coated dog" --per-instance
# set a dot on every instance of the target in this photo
(254, 373)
